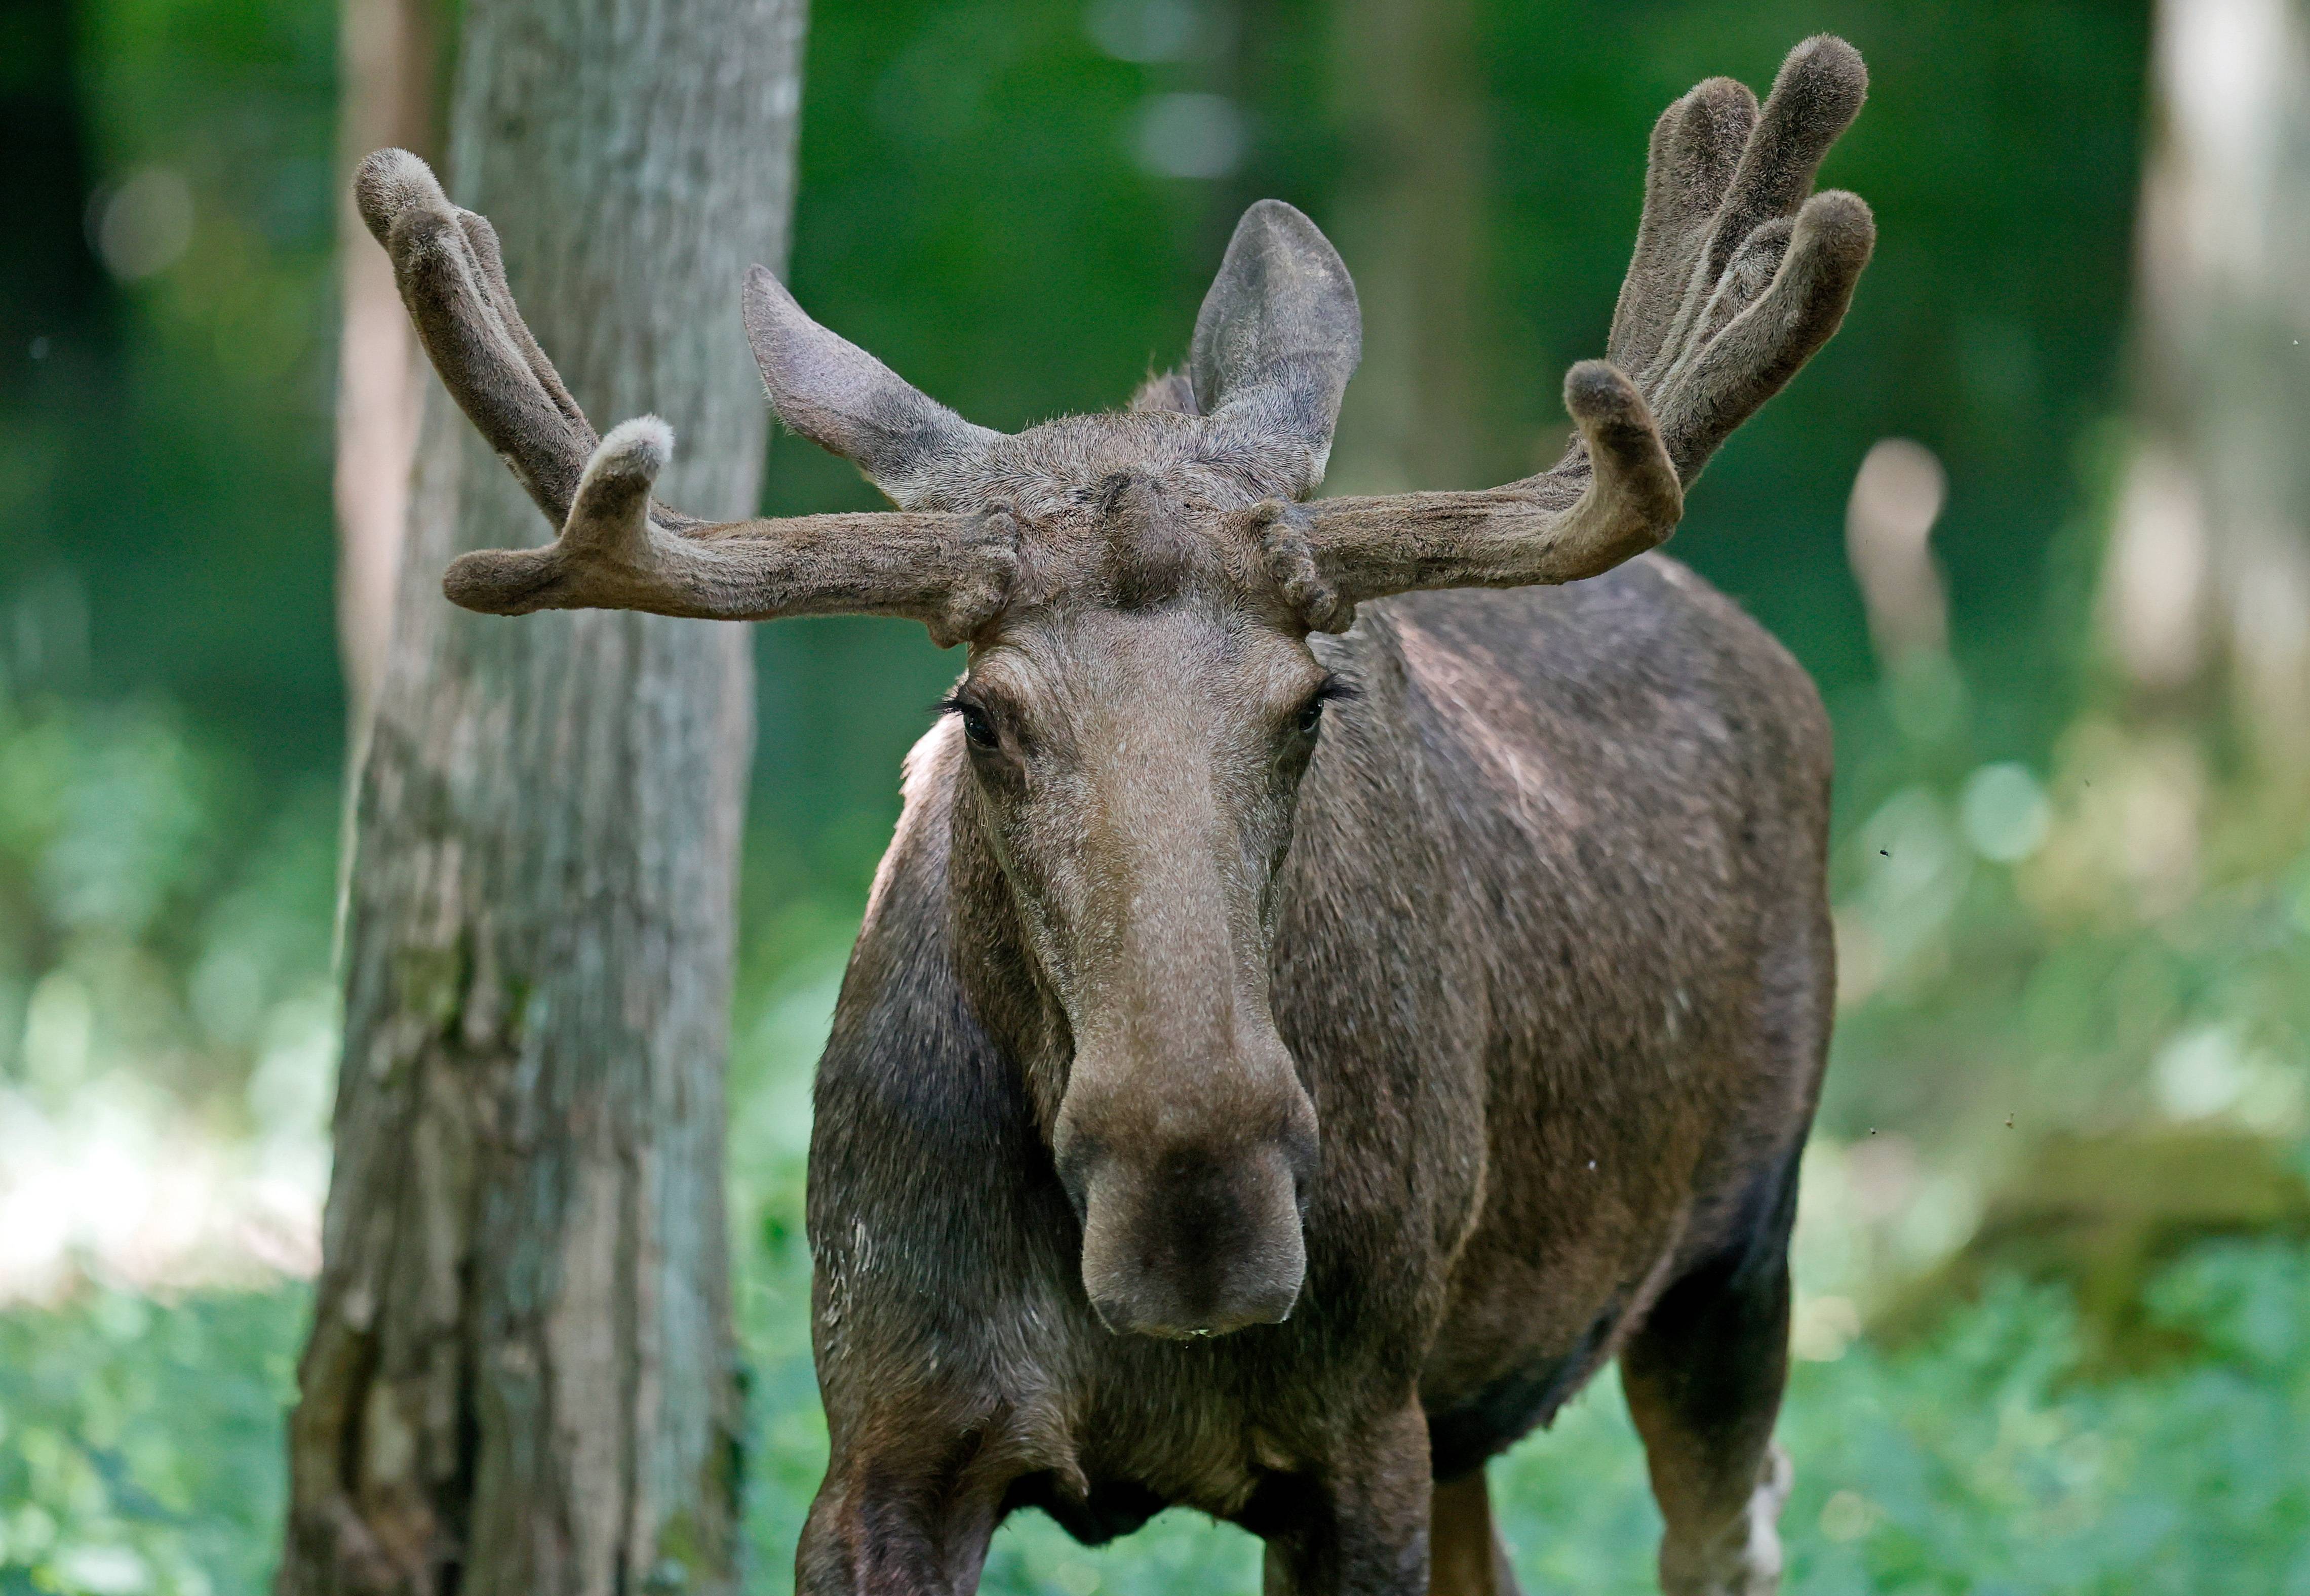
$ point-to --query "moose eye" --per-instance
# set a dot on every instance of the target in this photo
(1311, 714)
(976, 727)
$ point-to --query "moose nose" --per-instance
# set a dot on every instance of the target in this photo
(1194, 1243)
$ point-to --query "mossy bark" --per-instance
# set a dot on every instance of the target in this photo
(522, 1376)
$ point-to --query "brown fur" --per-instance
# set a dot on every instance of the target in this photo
(1306, 1023)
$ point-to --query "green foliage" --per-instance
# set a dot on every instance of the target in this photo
(140, 1443)
(1978, 1464)
(164, 920)
(164, 460)
(140, 1450)
(2147, 953)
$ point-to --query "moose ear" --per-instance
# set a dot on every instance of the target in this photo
(1278, 337)
(845, 400)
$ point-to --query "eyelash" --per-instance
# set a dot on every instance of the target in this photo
(977, 729)
(1332, 689)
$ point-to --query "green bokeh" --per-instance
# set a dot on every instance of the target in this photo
(972, 210)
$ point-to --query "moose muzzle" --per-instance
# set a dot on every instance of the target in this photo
(1192, 1222)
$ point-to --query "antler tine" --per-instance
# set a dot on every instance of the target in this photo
(1622, 499)
(617, 549)
(482, 235)
(1742, 357)
(1729, 240)
(951, 572)
(1695, 146)
(452, 279)
(1737, 280)
(1815, 95)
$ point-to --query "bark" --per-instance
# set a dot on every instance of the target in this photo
(2208, 583)
(1410, 222)
(521, 1378)
(385, 51)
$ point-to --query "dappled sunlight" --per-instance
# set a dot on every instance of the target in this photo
(167, 1025)
(110, 1184)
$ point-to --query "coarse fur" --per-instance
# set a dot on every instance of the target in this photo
(1552, 956)
(1345, 970)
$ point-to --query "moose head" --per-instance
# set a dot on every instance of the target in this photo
(1144, 596)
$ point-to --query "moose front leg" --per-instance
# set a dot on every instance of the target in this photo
(1360, 1528)
(1465, 1555)
(903, 1515)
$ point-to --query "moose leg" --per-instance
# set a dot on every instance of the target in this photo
(915, 1524)
(1704, 1379)
(1360, 1528)
(1465, 1554)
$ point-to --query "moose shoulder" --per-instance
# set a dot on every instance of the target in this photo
(1334, 985)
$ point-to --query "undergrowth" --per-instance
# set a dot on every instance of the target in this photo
(141, 1452)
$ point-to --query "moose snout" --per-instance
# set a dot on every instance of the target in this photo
(1193, 1242)
(1189, 1166)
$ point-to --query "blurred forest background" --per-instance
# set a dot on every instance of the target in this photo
(2037, 521)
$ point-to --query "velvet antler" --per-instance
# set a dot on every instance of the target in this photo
(1737, 280)
(617, 548)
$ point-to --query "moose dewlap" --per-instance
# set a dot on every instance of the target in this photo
(1334, 984)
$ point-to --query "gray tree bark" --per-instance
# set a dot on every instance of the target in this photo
(2207, 587)
(1409, 222)
(521, 1378)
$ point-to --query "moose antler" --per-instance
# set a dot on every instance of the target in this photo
(617, 549)
(1737, 279)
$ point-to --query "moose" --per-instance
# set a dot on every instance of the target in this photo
(1346, 967)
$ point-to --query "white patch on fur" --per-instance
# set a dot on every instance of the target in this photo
(1744, 1558)
(919, 775)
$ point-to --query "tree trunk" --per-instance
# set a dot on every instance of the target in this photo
(384, 73)
(522, 1379)
(1410, 222)
(2208, 584)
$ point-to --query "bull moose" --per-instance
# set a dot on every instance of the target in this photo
(1346, 967)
